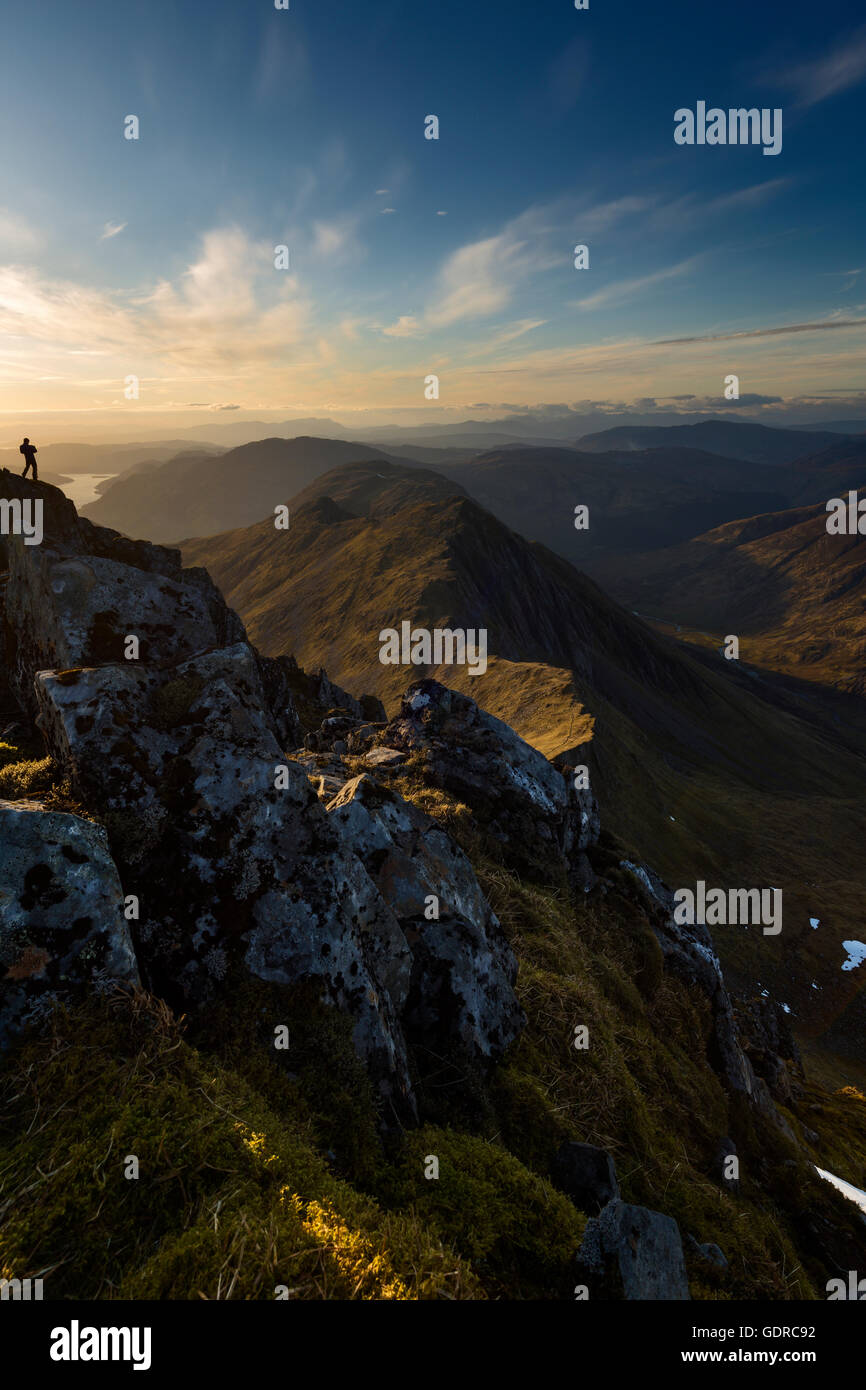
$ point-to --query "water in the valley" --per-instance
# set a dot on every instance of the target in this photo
(81, 488)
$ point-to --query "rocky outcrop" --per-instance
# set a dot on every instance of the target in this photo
(231, 855)
(689, 954)
(62, 923)
(462, 970)
(520, 798)
(768, 1039)
(481, 759)
(231, 860)
(76, 599)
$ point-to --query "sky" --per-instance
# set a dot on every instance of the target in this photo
(154, 258)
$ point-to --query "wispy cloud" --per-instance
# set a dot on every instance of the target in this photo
(820, 327)
(753, 196)
(673, 216)
(229, 306)
(479, 279)
(841, 67)
(405, 327)
(112, 229)
(600, 217)
(622, 290)
(506, 335)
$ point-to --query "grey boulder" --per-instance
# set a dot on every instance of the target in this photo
(62, 924)
(634, 1253)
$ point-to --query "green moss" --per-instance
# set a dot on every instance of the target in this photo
(517, 1230)
(231, 1200)
(319, 1078)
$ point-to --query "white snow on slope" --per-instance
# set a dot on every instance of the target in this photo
(847, 1189)
(856, 954)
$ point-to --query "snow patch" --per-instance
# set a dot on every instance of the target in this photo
(854, 1194)
(856, 954)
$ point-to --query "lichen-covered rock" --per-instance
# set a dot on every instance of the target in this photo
(74, 599)
(634, 1253)
(523, 800)
(277, 675)
(62, 923)
(463, 970)
(233, 858)
(222, 841)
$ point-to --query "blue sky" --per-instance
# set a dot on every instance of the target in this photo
(408, 256)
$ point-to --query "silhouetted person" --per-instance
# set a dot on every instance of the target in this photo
(29, 452)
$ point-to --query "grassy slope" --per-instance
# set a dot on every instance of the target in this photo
(254, 1175)
(792, 593)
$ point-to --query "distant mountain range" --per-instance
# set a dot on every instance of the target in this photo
(644, 499)
(733, 439)
(639, 498)
(546, 426)
(198, 494)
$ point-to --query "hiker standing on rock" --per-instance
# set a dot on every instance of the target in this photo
(29, 451)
